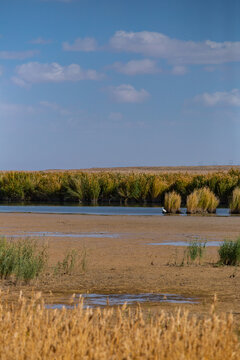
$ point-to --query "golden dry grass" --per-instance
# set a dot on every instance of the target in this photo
(172, 202)
(202, 200)
(235, 202)
(30, 331)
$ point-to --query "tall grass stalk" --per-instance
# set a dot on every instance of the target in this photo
(235, 201)
(73, 262)
(30, 331)
(195, 251)
(172, 202)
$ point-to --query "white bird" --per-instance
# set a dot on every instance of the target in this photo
(163, 210)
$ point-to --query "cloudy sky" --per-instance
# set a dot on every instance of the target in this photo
(93, 83)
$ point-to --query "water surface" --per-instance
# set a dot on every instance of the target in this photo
(58, 234)
(97, 210)
(100, 300)
(187, 243)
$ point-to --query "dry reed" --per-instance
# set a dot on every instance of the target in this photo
(172, 202)
(29, 331)
(235, 201)
(202, 201)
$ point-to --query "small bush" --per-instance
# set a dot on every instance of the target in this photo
(202, 200)
(22, 259)
(172, 202)
(235, 202)
(229, 252)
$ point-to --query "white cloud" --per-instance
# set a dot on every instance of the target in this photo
(34, 72)
(86, 44)
(115, 116)
(128, 94)
(17, 55)
(40, 41)
(179, 70)
(176, 51)
(135, 67)
(231, 98)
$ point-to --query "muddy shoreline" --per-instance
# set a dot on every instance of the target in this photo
(127, 264)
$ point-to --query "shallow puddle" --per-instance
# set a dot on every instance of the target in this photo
(99, 300)
(58, 234)
(187, 243)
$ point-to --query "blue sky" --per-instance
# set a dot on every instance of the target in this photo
(89, 83)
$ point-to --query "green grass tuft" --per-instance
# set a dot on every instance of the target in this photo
(23, 259)
(229, 252)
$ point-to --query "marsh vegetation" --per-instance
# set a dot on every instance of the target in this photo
(84, 187)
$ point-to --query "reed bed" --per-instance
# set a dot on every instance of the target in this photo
(87, 187)
(202, 201)
(172, 202)
(29, 331)
(235, 201)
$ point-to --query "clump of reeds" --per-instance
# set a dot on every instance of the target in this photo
(195, 251)
(229, 252)
(172, 202)
(235, 201)
(202, 201)
(74, 261)
(30, 331)
(22, 259)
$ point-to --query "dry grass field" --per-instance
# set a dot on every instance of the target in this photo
(201, 169)
(28, 331)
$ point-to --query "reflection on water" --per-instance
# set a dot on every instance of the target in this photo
(97, 210)
(187, 243)
(96, 300)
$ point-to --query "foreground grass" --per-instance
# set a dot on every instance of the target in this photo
(29, 331)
